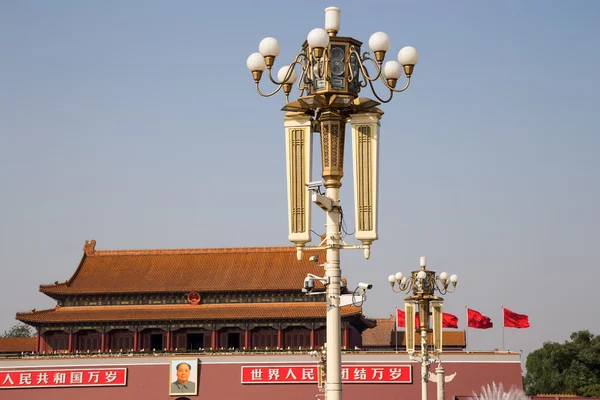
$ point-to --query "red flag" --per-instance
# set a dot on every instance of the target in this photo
(477, 320)
(449, 320)
(514, 320)
(401, 319)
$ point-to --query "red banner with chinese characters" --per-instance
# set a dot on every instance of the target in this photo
(63, 378)
(308, 374)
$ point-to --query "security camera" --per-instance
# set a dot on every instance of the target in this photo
(314, 258)
(314, 185)
(322, 201)
(309, 285)
(365, 286)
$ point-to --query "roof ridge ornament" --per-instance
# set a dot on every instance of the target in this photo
(89, 247)
(190, 251)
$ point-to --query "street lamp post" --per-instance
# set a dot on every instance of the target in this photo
(331, 72)
(423, 284)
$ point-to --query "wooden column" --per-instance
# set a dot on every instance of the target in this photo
(213, 339)
(346, 332)
(37, 341)
(135, 339)
(103, 341)
(247, 338)
(169, 338)
(312, 338)
(279, 338)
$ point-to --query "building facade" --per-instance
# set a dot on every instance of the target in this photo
(237, 316)
(187, 300)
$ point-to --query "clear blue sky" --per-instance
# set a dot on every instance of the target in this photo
(137, 124)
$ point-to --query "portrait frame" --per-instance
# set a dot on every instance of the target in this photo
(192, 362)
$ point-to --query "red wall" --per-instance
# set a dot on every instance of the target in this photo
(220, 378)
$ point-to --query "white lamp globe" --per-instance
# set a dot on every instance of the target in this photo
(421, 275)
(283, 72)
(256, 62)
(391, 279)
(379, 41)
(332, 19)
(408, 56)
(444, 276)
(453, 278)
(269, 46)
(399, 276)
(318, 37)
(392, 70)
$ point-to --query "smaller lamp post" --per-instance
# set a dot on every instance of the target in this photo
(423, 284)
(321, 357)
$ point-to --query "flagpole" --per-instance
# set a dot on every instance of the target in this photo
(467, 328)
(502, 307)
(396, 325)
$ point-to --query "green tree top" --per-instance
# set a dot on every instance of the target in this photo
(572, 367)
(18, 330)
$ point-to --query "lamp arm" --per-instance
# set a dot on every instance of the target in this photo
(303, 81)
(268, 94)
(439, 285)
(396, 90)
(297, 60)
(361, 64)
(444, 288)
(453, 289)
(379, 98)
(399, 290)
(322, 61)
(408, 285)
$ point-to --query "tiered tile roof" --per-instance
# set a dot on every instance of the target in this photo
(180, 271)
(186, 270)
(184, 312)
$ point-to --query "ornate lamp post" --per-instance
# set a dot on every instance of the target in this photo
(423, 284)
(330, 73)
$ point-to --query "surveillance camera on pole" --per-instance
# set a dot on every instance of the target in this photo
(309, 285)
(315, 186)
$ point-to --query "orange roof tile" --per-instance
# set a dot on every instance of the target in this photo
(382, 335)
(186, 312)
(379, 336)
(16, 344)
(185, 270)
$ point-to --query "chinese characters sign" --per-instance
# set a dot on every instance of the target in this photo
(63, 378)
(308, 374)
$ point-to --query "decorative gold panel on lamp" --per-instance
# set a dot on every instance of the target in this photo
(409, 334)
(298, 136)
(437, 326)
(365, 153)
(333, 134)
